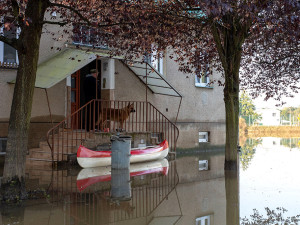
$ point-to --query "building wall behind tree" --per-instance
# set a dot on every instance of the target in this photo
(40, 117)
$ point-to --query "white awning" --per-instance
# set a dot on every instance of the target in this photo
(152, 78)
(61, 65)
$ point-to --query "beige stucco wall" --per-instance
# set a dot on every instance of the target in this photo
(40, 110)
(199, 104)
(128, 86)
(189, 134)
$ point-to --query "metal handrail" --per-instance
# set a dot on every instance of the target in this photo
(105, 116)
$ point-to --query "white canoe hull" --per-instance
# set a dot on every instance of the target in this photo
(106, 161)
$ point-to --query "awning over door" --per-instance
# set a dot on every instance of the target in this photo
(61, 65)
(152, 78)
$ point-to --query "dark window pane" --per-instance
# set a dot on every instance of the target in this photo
(9, 53)
(73, 82)
(73, 96)
(3, 142)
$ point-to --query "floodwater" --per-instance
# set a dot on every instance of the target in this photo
(193, 189)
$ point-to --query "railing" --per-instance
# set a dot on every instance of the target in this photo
(10, 65)
(101, 116)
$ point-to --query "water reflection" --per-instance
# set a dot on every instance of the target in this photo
(232, 197)
(194, 189)
(151, 185)
(248, 147)
(271, 180)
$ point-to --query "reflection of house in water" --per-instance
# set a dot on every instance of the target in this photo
(186, 195)
(275, 142)
(201, 193)
(270, 142)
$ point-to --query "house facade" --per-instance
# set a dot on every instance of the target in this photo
(269, 116)
(195, 105)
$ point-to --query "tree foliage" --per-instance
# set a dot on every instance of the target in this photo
(273, 216)
(291, 114)
(248, 151)
(248, 109)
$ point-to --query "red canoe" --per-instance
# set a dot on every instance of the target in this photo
(89, 176)
(87, 158)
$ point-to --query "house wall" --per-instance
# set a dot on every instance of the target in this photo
(270, 117)
(40, 116)
(128, 86)
(199, 104)
(202, 109)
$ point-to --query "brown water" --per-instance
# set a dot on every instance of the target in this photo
(190, 192)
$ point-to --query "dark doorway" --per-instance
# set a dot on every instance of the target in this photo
(79, 98)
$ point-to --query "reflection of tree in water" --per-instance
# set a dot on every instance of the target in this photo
(290, 142)
(272, 217)
(247, 151)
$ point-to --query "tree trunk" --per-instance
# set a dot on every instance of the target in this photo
(230, 50)
(231, 99)
(13, 185)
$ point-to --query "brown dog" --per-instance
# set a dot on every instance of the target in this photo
(118, 115)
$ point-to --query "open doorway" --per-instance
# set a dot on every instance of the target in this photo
(80, 85)
(78, 95)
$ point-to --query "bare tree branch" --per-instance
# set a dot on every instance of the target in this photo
(73, 10)
(56, 23)
(219, 46)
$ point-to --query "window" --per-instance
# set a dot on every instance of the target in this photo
(203, 165)
(204, 220)
(202, 79)
(83, 35)
(203, 137)
(9, 54)
(3, 142)
(273, 114)
(156, 61)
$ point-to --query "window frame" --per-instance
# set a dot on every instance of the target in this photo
(201, 220)
(18, 30)
(203, 75)
(203, 165)
(89, 32)
(156, 62)
(206, 139)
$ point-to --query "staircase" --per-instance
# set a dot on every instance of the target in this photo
(82, 127)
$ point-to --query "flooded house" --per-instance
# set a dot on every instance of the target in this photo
(167, 104)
